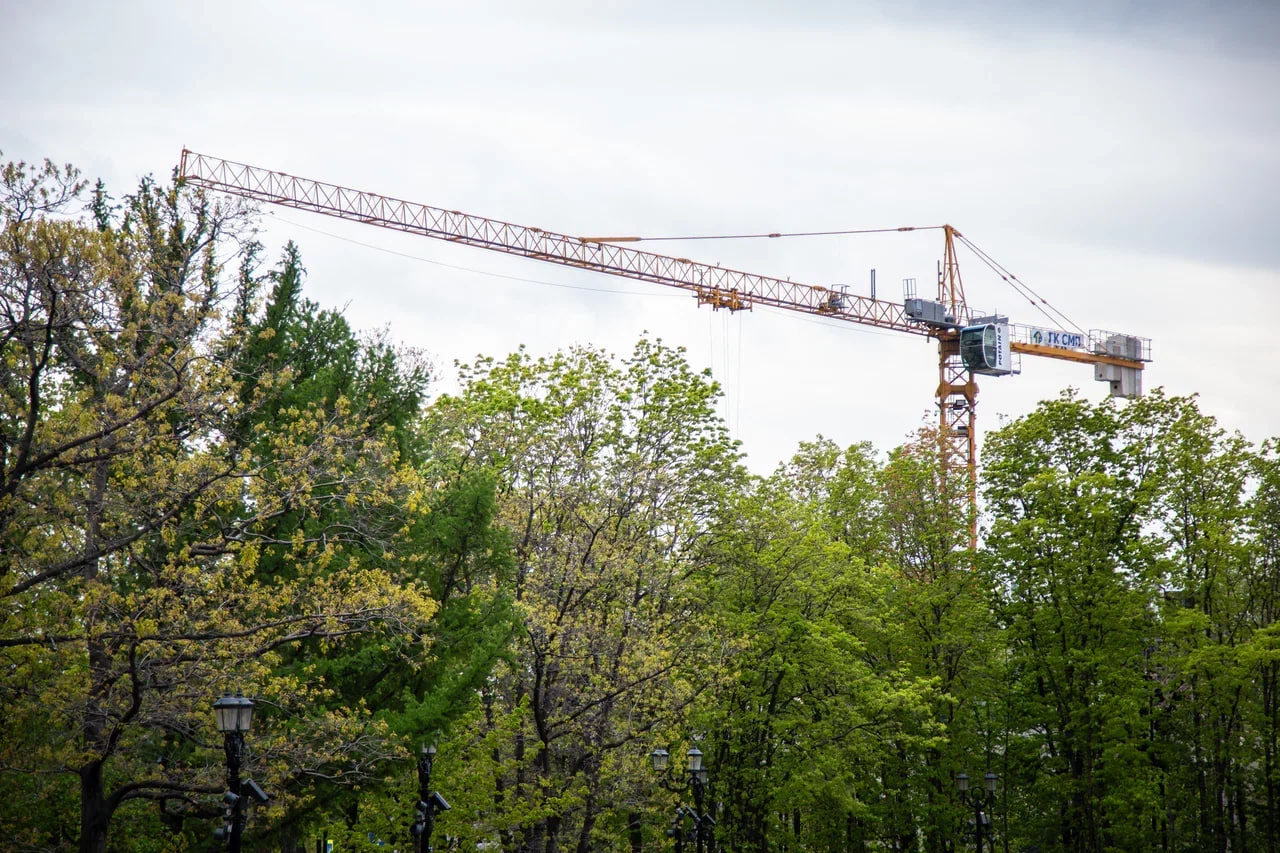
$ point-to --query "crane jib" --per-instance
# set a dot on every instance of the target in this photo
(713, 285)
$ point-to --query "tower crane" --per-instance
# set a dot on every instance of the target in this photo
(968, 343)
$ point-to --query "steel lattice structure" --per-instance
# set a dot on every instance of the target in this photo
(713, 285)
(956, 393)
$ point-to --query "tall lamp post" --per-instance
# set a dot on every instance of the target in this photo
(697, 781)
(429, 802)
(233, 715)
(979, 798)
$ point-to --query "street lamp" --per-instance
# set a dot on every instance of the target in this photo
(233, 716)
(696, 779)
(979, 798)
(429, 802)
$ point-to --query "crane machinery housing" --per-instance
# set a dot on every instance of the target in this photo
(968, 342)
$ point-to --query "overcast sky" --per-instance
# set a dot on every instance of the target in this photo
(1122, 158)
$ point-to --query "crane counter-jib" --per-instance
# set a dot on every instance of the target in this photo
(712, 285)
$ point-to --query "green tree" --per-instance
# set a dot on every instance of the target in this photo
(1211, 661)
(1262, 656)
(937, 628)
(1071, 490)
(132, 522)
(806, 709)
(609, 476)
(449, 544)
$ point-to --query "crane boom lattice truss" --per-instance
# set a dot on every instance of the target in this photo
(712, 285)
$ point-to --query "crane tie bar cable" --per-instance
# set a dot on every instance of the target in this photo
(1035, 299)
(769, 235)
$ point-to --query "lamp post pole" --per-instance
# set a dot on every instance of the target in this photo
(429, 801)
(978, 799)
(697, 780)
(233, 743)
(427, 816)
(233, 716)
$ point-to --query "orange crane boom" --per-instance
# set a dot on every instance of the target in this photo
(1117, 358)
(713, 285)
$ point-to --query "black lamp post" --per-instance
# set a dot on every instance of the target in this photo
(697, 780)
(429, 802)
(233, 715)
(979, 799)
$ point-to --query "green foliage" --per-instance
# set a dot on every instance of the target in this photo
(303, 368)
(183, 512)
(1129, 590)
(807, 705)
(610, 475)
(208, 482)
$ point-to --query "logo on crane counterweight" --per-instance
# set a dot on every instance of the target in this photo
(1055, 338)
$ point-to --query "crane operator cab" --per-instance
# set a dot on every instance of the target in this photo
(985, 349)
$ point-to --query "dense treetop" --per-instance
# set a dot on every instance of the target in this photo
(209, 483)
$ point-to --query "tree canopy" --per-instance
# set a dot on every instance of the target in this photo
(210, 484)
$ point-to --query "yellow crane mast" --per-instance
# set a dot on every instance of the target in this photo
(968, 344)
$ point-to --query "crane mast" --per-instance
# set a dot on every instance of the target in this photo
(1117, 358)
(957, 393)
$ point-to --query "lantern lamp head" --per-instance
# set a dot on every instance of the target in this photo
(233, 714)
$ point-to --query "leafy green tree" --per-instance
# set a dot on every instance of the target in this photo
(937, 628)
(132, 523)
(806, 707)
(609, 477)
(303, 368)
(1262, 655)
(1072, 490)
(1212, 652)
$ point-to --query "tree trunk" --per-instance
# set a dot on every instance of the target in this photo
(1271, 710)
(553, 835)
(634, 834)
(94, 815)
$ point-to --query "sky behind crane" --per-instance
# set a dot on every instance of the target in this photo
(1120, 158)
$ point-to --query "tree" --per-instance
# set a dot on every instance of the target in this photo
(806, 706)
(1071, 490)
(1262, 656)
(609, 476)
(132, 519)
(937, 628)
(449, 545)
(1211, 662)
